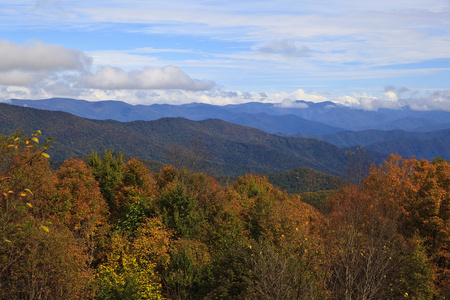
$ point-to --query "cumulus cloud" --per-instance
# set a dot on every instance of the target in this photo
(169, 77)
(35, 61)
(57, 69)
(35, 55)
(284, 47)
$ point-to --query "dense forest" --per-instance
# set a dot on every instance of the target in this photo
(108, 228)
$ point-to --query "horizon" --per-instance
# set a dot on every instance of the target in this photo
(361, 55)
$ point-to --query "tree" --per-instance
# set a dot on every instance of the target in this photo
(133, 264)
(364, 245)
(420, 192)
(135, 197)
(82, 206)
(107, 170)
(39, 257)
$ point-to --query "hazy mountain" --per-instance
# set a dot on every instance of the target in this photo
(298, 117)
(368, 137)
(115, 110)
(426, 145)
(426, 149)
(233, 149)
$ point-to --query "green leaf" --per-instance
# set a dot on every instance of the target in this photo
(45, 228)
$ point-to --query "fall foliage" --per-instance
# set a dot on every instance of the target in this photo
(105, 228)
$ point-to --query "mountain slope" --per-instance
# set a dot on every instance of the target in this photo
(234, 149)
(407, 144)
(368, 137)
(333, 117)
(301, 180)
(420, 149)
(115, 110)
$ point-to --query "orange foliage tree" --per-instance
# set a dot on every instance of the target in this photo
(82, 206)
(39, 257)
(420, 191)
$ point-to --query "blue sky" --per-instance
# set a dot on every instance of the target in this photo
(388, 54)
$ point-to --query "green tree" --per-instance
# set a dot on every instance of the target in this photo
(135, 197)
(107, 170)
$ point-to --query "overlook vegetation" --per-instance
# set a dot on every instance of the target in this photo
(106, 228)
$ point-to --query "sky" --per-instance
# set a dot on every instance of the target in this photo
(364, 54)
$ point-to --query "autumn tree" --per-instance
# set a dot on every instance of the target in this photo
(133, 266)
(39, 257)
(420, 191)
(284, 253)
(82, 206)
(135, 197)
(364, 245)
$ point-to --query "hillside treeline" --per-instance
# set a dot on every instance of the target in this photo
(102, 228)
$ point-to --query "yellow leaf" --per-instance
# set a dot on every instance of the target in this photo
(6, 240)
(45, 228)
(45, 155)
(35, 139)
(29, 204)
(28, 191)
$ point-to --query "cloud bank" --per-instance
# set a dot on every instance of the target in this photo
(34, 61)
(36, 64)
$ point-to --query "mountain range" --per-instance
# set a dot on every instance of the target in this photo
(233, 149)
(423, 134)
(297, 117)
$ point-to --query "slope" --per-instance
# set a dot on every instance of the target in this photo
(234, 149)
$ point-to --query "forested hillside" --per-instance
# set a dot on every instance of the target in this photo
(302, 180)
(102, 228)
(231, 149)
(426, 145)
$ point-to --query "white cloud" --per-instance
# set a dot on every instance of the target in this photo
(288, 103)
(35, 55)
(56, 68)
(35, 61)
(169, 77)
(368, 102)
(439, 100)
